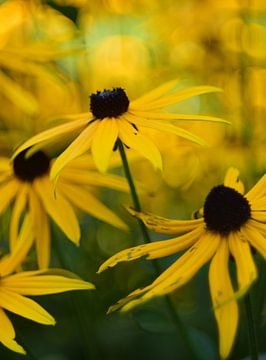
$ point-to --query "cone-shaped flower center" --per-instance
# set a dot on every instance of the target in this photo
(225, 210)
(109, 103)
(28, 169)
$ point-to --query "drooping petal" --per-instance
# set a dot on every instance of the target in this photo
(103, 143)
(155, 249)
(186, 266)
(258, 190)
(78, 147)
(41, 230)
(166, 127)
(53, 133)
(232, 180)
(154, 94)
(133, 139)
(11, 261)
(19, 206)
(85, 201)
(7, 193)
(246, 269)
(254, 237)
(178, 96)
(58, 208)
(179, 273)
(43, 284)
(163, 225)
(25, 307)
(226, 312)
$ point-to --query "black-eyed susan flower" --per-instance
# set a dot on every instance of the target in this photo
(114, 117)
(15, 289)
(25, 183)
(232, 224)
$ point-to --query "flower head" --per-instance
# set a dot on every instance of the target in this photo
(114, 117)
(14, 289)
(232, 223)
(25, 183)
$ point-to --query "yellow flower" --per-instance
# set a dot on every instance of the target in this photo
(31, 36)
(25, 181)
(14, 289)
(114, 117)
(232, 223)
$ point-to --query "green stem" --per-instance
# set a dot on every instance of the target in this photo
(253, 342)
(171, 309)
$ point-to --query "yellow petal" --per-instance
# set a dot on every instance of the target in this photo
(11, 261)
(255, 238)
(85, 201)
(246, 269)
(6, 327)
(170, 116)
(78, 147)
(103, 143)
(43, 284)
(232, 180)
(7, 193)
(19, 206)
(154, 250)
(12, 344)
(58, 208)
(25, 307)
(41, 230)
(258, 190)
(133, 139)
(163, 225)
(178, 96)
(154, 94)
(166, 127)
(185, 267)
(53, 133)
(94, 178)
(222, 290)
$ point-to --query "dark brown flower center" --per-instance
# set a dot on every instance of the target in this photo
(225, 210)
(27, 169)
(109, 103)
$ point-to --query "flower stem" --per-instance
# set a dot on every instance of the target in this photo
(171, 309)
(253, 342)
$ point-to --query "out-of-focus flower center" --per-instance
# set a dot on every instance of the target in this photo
(225, 210)
(109, 103)
(28, 169)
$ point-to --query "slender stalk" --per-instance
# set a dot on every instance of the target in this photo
(252, 335)
(136, 202)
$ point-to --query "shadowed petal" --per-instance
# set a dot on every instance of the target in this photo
(246, 269)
